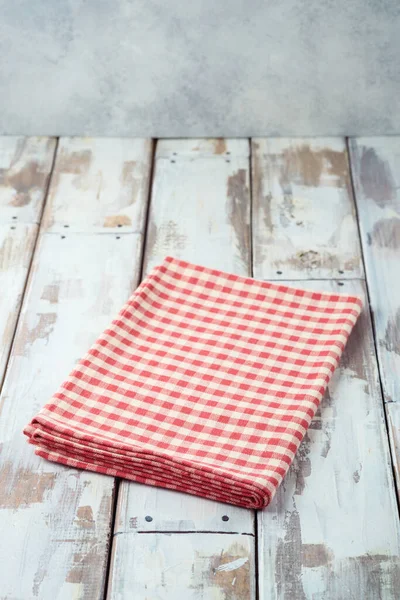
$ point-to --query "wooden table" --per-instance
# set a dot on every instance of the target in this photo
(81, 221)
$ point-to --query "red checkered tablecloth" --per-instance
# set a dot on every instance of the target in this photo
(206, 383)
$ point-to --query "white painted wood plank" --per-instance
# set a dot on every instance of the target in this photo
(56, 520)
(142, 508)
(25, 165)
(200, 205)
(202, 148)
(376, 170)
(393, 417)
(99, 185)
(183, 567)
(188, 195)
(199, 211)
(304, 224)
(16, 247)
(332, 531)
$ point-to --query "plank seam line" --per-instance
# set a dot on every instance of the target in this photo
(92, 232)
(392, 451)
(28, 277)
(167, 531)
(255, 512)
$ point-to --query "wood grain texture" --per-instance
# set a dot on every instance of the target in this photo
(99, 185)
(376, 170)
(57, 520)
(25, 165)
(208, 199)
(16, 247)
(183, 566)
(332, 531)
(200, 205)
(304, 224)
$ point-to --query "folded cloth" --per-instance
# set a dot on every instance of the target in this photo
(206, 383)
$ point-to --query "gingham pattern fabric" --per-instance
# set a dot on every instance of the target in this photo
(205, 383)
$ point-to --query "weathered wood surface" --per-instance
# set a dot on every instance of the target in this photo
(16, 247)
(25, 166)
(304, 223)
(376, 170)
(195, 191)
(393, 417)
(55, 521)
(201, 566)
(99, 185)
(200, 204)
(332, 531)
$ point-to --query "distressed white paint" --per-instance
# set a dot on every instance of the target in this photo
(25, 165)
(333, 527)
(304, 224)
(180, 566)
(393, 415)
(56, 520)
(200, 204)
(16, 247)
(99, 185)
(174, 511)
(376, 168)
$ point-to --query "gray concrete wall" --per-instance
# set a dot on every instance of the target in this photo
(199, 68)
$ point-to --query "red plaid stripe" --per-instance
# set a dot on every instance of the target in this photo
(205, 383)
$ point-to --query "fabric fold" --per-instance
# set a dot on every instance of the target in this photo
(205, 383)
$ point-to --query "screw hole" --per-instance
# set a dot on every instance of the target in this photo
(173, 161)
(148, 518)
(340, 283)
(279, 272)
(227, 160)
(225, 518)
(66, 225)
(118, 237)
(63, 237)
(13, 227)
(341, 272)
(174, 154)
(227, 153)
(15, 217)
(119, 225)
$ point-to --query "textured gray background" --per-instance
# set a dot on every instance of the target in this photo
(187, 68)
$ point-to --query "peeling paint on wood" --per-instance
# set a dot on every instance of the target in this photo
(376, 173)
(333, 525)
(191, 567)
(99, 184)
(200, 206)
(304, 223)
(16, 247)
(58, 517)
(25, 165)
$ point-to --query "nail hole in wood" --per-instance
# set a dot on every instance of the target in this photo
(227, 152)
(173, 161)
(148, 518)
(63, 237)
(227, 160)
(15, 217)
(12, 227)
(340, 283)
(174, 154)
(341, 272)
(225, 518)
(66, 225)
(119, 225)
(279, 272)
(118, 237)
